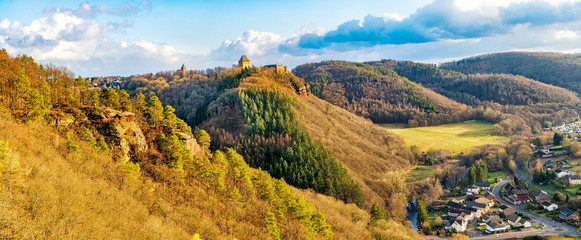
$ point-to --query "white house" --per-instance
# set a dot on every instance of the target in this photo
(549, 206)
(495, 225)
(563, 173)
(524, 223)
(459, 225)
(472, 190)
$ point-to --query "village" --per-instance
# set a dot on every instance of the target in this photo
(494, 209)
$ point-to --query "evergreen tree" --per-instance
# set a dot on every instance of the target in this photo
(558, 138)
(377, 212)
(124, 101)
(203, 138)
(154, 111)
(140, 107)
(422, 212)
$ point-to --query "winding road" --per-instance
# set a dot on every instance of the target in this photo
(551, 227)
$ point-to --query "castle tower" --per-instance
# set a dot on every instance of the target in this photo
(184, 71)
(244, 62)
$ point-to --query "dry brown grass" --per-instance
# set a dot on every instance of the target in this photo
(376, 159)
(58, 194)
(352, 223)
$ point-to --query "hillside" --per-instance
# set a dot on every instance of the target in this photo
(563, 70)
(94, 163)
(268, 114)
(531, 101)
(379, 93)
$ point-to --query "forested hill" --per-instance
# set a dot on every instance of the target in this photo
(528, 100)
(379, 93)
(277, 125)
(563, 70)
(79, 162)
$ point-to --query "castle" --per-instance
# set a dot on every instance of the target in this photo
(183, 71)
(245, 63)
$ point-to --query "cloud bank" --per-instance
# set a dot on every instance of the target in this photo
(83, 39)
(444, 20)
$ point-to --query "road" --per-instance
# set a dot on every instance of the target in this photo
(551, 227)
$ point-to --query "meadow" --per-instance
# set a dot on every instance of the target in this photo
(458, 137)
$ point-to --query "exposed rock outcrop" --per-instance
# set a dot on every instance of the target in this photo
(190, 143)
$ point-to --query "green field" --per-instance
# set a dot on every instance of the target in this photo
(459, 137)
(492, 176)
(420, 172)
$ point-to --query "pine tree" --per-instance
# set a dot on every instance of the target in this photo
(377, 212)
(422, 212)
(154, 111)
(124, 101)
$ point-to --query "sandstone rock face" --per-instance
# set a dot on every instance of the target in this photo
(120, 129)
(130, 138)
(190, 142)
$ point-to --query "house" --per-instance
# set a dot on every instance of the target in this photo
(549, 165)
(513, 220)
(467, 217)
(541, 197)
(456, 209)
(524, 223)
(568, 214)
(507, 210)
(563, 173)
(574, 180)
(485, 219)
(459, 225)
(490, 196)
(522, 196)
(483, 185)
(243, 62)
(549, 206)
(472, 189)
(481, 209)
(460, 199)
(509, 188)
(495, 225)
(485, 201)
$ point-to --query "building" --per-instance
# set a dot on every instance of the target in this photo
(507, 210)
(473, 189)
(513, 220)
(244, 62)
(490, 196)
(459, 225)
(485, 201)
(524, 223)
(481, 209)
(456, 209)
(563, 173)
(522, 196)
(541, 197)
(516, 221)
(574, 180)
(509, 188)
(277, 67)
(495, 225)
(483, 185)
(184, 71)
(549, 206)
(568, 214)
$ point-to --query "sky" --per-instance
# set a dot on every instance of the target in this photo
(104, 38)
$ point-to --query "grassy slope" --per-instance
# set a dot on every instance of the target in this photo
(375, 158)
(55, 193)
(460, 137)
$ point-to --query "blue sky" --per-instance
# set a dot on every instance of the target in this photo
(96, 38)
